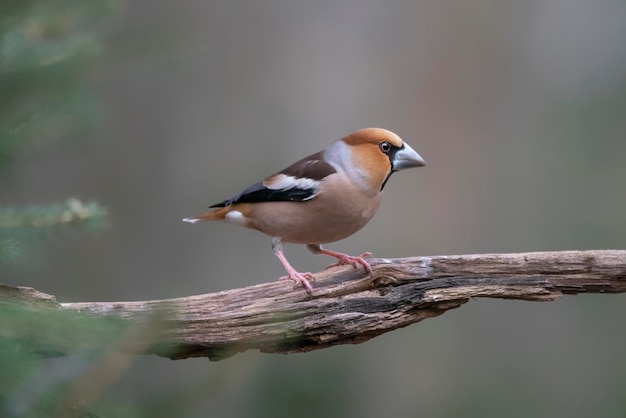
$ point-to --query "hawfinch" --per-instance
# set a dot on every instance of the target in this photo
(322, 198)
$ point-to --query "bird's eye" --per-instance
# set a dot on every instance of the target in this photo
(385, 147)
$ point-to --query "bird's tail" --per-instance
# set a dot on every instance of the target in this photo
(214, 215)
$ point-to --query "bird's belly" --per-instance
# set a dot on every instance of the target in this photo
(318, 224)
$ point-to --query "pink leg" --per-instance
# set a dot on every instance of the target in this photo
(344, 258)
(299, 278)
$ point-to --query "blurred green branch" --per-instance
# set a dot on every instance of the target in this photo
(46, 50)
(20, 225)
(72, 211)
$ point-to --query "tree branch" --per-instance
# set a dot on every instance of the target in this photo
(348, 306)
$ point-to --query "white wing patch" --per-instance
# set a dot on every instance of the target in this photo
(285, 182)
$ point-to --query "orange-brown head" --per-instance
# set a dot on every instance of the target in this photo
(369, 156)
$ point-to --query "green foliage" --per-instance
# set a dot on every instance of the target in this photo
(45, 50)
(71, 212)
(28, 388)
(20, 226)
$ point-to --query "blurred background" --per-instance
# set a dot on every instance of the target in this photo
(519, 108)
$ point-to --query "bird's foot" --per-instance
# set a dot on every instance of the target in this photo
(301, 278)
(348, 259)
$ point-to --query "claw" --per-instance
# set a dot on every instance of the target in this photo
(354, 261)
(348, 259)
(301, 278)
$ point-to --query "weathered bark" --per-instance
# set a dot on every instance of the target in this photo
(347, 306)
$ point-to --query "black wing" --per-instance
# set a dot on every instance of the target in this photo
(297, 183)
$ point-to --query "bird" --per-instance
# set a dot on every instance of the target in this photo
(320, 199)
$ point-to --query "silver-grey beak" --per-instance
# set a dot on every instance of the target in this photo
(406, 157)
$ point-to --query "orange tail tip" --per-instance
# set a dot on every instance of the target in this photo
(214, 215)
(209, 216)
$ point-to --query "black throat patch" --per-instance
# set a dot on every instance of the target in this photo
(392, 156)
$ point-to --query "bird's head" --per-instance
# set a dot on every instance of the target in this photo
(370, 156)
